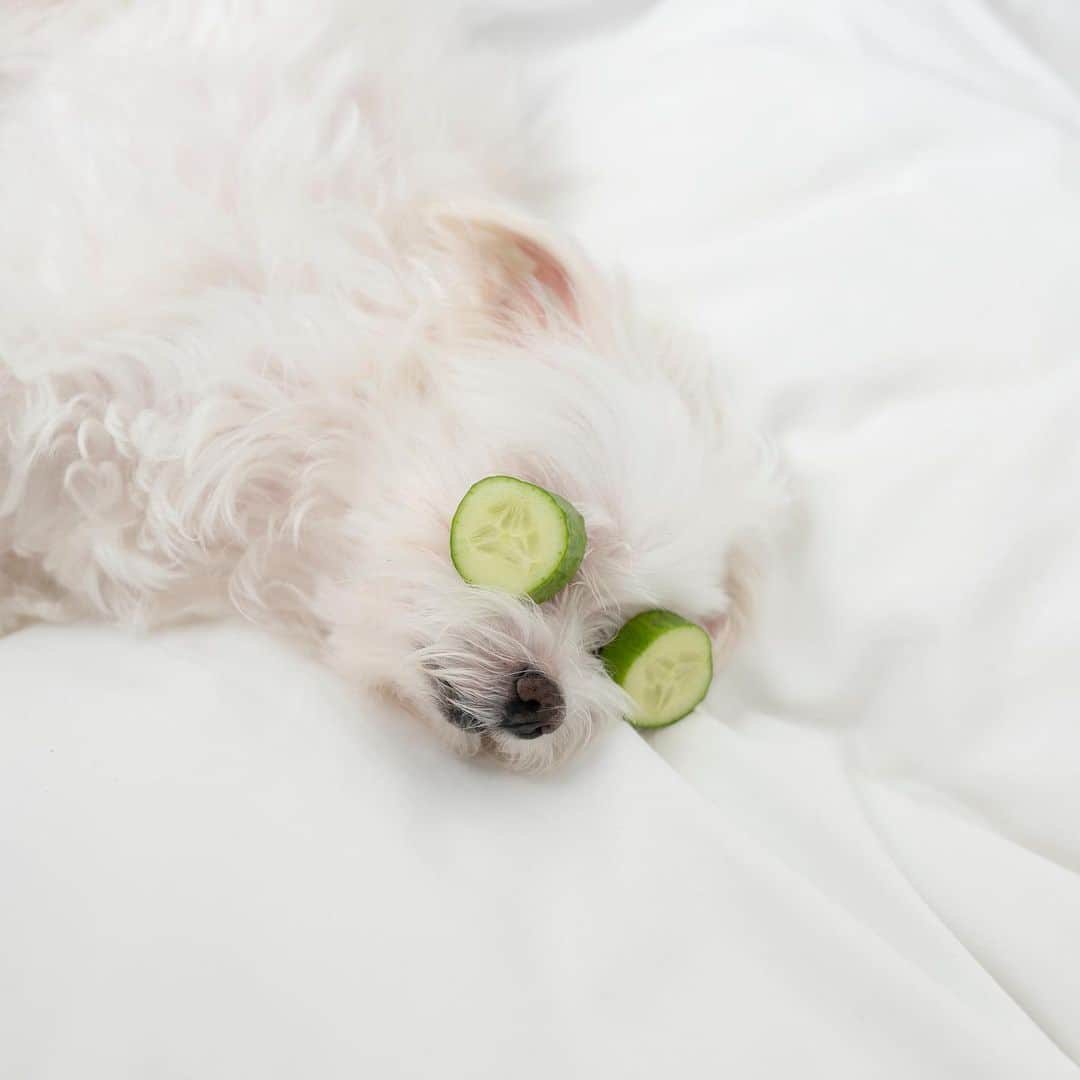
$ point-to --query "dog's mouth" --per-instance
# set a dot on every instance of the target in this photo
(452, 710)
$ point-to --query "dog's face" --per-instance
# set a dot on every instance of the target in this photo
(631, 431)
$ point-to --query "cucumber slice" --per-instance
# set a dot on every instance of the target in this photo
(664, 663)
(517, 537)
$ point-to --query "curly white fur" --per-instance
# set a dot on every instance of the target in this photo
(269, 305)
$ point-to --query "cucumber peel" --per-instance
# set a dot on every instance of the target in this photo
(664, 663)
(511, 535)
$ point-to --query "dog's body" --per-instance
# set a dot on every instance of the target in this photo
(269, 305)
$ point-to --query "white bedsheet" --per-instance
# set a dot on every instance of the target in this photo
(863, 859)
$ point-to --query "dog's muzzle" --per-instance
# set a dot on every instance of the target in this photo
(534, 707)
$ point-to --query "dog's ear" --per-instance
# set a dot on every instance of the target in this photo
(514, 270)
(726, 627)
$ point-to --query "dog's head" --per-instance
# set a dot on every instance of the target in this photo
(538, 370)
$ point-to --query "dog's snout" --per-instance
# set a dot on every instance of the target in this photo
(534, 707)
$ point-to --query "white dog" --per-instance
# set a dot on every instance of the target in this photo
(269, 304)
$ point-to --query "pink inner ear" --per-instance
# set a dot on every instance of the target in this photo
(715, 625)
(551, 275)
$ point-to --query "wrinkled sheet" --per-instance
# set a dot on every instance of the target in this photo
(862, 859)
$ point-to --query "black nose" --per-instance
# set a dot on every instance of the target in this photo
(534, 707)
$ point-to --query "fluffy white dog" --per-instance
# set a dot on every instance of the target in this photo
(269, 304)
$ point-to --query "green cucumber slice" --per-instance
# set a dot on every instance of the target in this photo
(664, 663)
(511, 535)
